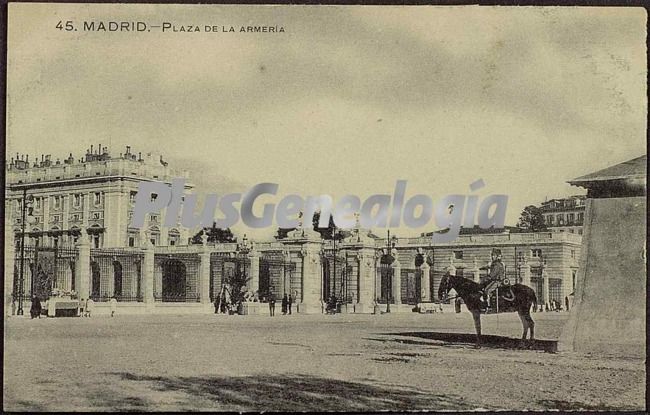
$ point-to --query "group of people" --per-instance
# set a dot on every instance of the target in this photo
(287, 303)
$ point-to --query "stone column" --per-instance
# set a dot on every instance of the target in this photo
(254, 283)
(545, 300)
(10, 256)
(82, 272)
(311, 279)
(425, 287)
(476, 273)
(365, 288)
(204, 277)
(86, 199)
(525, 273)
(148, 275)
(397, 282)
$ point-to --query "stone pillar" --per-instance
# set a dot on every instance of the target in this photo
(82, 272)
(365, 288)
(425, 288)
(148, 275)
(204, 277)
(397, 282)
(311, 279)
(476, 272)
(10, 256)
(525, 273)
(254, 283)
(545, 300)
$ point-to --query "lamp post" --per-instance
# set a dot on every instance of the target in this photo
(244, 248)
(390, 244)
(335, 234)
(26, 209)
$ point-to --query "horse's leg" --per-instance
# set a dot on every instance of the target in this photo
(531, 325)
(524, 323)
(476, 314)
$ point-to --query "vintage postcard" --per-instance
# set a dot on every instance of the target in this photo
(324, 208)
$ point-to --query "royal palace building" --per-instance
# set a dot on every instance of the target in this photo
(92, 197)
(74, 216)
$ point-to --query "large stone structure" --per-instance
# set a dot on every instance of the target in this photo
(609, 313)
(359, 271)
(85, 205)
(93, 197)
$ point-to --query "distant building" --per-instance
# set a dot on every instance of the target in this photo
(564, 215)
(91, 197)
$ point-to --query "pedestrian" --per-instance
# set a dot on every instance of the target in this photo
(290, 303)
(82, 307)
(566, 303)
(285, 302)
(113, 306)
(35, 309)
(90, 306)
(271, 304)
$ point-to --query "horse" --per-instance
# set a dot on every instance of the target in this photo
(470, 292)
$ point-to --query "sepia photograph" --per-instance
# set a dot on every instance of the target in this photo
(324, 208)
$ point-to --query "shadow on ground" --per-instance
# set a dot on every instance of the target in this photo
(288, 392)
(492, 341)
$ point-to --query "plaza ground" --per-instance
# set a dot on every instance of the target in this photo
(303, 362)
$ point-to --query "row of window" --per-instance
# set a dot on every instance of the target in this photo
(560, 219)
(75, 217)
(173, 238)
(535, 253)
(57, 201)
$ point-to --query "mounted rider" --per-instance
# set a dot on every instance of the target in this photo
(495, 277)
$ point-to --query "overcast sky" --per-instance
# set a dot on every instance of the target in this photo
(347, 100)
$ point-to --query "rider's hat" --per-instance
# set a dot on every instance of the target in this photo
(496, 251)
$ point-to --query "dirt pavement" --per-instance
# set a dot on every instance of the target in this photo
(341, 362)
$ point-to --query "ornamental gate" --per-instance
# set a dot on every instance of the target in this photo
(277, 276)
(45, 268)
(337, 274)
(411, 285)
(176, 277)
(385, 278)
(116, 272)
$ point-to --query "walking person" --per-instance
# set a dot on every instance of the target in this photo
(271, 304)
(113, 306)
(285, 302)
(290, 303)
(82, 307)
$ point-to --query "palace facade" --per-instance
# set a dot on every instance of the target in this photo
(78, 239)
(90, 197)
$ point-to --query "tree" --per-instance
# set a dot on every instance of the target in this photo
(236, 284)
(214, 235)
(532, 220)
